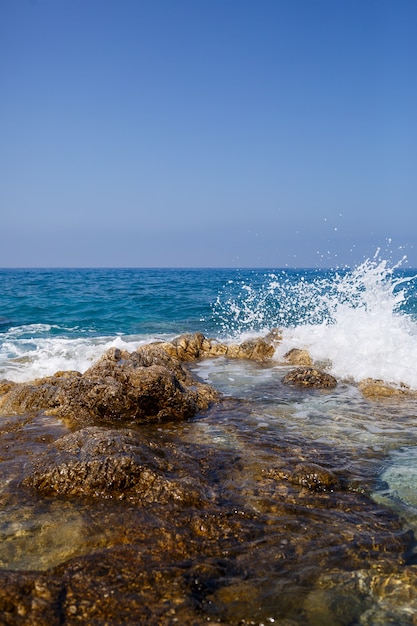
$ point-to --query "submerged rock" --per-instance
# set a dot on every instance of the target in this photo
(310, 377)
(398, 481)
(176, 515)
(176, 554)
(310, 475)
(117, 464)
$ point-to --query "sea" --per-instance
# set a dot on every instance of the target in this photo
(356, 322)
(360, 322)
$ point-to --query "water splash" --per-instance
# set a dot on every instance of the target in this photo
(359, 321)
(25, 356)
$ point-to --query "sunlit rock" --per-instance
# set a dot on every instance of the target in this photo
(254, 349)
(147, 385)
(5, 386)
(274, 337)
(374, 388)
(312, 476)
(37, 395)
(298, 357)
(191, 347)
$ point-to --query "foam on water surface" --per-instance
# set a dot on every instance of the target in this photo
(357, 323)
(27, 358)
(366, 334)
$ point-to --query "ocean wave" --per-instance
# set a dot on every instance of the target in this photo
(26, 359)
(359, 323)
(356, 322)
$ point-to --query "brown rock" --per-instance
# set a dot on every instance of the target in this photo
(372, 388)
(310, 377)
(299, 357)
(274, 337)
(37, 395)
(253, 349)
(190, 347)
(147, 385)
(5, 386)
(197, 346)
(117, 464)
(314, 477)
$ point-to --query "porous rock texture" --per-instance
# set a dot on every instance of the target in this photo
(147, 385)
(298, 357)
(143, 386)
(374, 388)
(119, 464)
(310, 377)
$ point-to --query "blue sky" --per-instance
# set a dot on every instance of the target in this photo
(207, 132)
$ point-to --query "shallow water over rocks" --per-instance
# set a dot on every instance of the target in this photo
(287, 527)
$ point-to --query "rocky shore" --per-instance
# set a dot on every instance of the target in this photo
(193, 534)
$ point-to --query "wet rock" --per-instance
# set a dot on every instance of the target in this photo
(147, 385)
(105, 463)
(124, 585)
(190, 347)
(36, 395)
(374, 388)
(314, 477)
(253, 349)
(5, 386)
(390, 596)
(310, 377)
(394, 595)
(196, 346)
(298, 357)
(28, 600)
(397, 482)
(191, 565)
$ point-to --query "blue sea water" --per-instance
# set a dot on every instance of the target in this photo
(355, 322)
(54, 319)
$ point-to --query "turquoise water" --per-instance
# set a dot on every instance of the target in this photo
(108, 301)
(54, 319)
(144, 301)
(356, 323)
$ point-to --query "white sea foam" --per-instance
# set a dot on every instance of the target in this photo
(353, 322)
(25, 359)
(365, 333)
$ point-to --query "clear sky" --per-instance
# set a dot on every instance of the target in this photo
(250, 133)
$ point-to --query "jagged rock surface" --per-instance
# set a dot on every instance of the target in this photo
(310, 377)
(144, 386)
(119, 464)
(149, 384)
